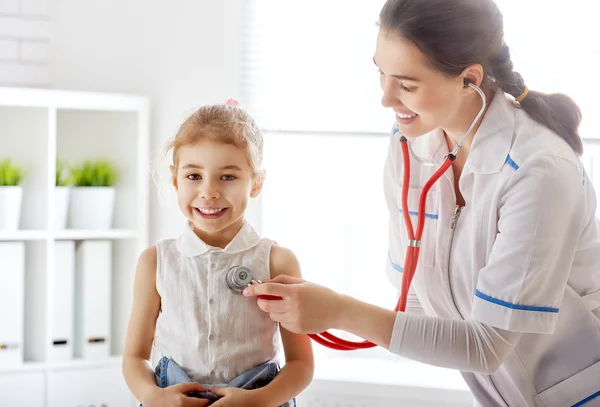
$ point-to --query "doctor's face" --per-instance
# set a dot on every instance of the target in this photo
(422, 98)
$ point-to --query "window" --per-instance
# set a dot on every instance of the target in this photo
(557, 49)
(332, 215)
(308, 65)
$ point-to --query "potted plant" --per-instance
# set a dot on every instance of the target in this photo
(61, 194)
(11, 195)
(92, 197)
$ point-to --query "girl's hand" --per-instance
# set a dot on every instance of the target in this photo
(305, 307)
(234, 397)
(176, 396)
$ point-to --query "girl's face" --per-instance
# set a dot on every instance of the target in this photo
(214, 182)
(422, 98)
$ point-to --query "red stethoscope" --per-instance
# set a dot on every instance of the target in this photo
(414, 243)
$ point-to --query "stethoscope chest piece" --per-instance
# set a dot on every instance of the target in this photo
(238, 278)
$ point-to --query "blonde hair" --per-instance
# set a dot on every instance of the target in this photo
(226, 124)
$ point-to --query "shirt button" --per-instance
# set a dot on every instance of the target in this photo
(211, 337)
(212, 372)
(213, 265)
(211, 301)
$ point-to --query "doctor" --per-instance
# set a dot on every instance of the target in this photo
(507, 288)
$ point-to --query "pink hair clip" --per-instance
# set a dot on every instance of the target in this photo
(232, 102)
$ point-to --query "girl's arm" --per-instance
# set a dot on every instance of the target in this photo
(297, 373)
(137, 369)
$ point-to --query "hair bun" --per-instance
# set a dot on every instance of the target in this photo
(231, 102)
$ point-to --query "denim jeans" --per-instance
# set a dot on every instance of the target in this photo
(169, 373)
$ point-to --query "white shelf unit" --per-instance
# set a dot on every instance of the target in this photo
(36, 127)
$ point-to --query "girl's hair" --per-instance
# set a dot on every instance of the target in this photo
(454, 34)
(223, 123)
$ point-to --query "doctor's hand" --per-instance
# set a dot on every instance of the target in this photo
(305, 307)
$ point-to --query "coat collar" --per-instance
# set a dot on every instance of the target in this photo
(491, 143)
(190, 245)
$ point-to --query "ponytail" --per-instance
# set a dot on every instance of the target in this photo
(556, 111)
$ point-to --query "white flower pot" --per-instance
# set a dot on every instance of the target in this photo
(10, 207)
(61, 207)
(91, 207)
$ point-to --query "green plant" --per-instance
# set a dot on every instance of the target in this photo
(62, 174)
(10, 175)
(100, 173)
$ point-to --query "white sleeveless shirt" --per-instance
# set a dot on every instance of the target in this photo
(213, 333)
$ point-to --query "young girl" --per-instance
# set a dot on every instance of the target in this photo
(205, 332)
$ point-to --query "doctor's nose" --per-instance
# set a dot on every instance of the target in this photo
(389, 98)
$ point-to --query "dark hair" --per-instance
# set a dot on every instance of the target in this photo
(454, 34)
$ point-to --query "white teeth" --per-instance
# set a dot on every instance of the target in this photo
(403, 116)
(210, 211)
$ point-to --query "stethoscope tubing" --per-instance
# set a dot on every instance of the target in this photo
(413, 250)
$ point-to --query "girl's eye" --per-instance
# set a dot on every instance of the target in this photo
(404, 88)
(193, 177)
(227, 177)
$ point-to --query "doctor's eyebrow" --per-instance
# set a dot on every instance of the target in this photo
(401, 77)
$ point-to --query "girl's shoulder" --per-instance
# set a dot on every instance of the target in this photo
(146, 266)
(283, 261)
(148, 256)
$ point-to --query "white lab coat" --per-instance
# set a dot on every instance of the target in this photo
(524, 254)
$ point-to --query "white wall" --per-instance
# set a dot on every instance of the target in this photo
(180, 53)
(24, 42)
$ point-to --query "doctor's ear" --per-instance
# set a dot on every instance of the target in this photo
(472, 74)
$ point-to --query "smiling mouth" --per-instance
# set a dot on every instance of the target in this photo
(211, 213)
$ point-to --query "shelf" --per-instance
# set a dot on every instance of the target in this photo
(68, 234)
(39, 127)
(66, 99)
(25, 367)
(81, 363)
(20, 235)
(70, 364)
(77, 234)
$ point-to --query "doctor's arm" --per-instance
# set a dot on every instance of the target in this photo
(463, 345)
